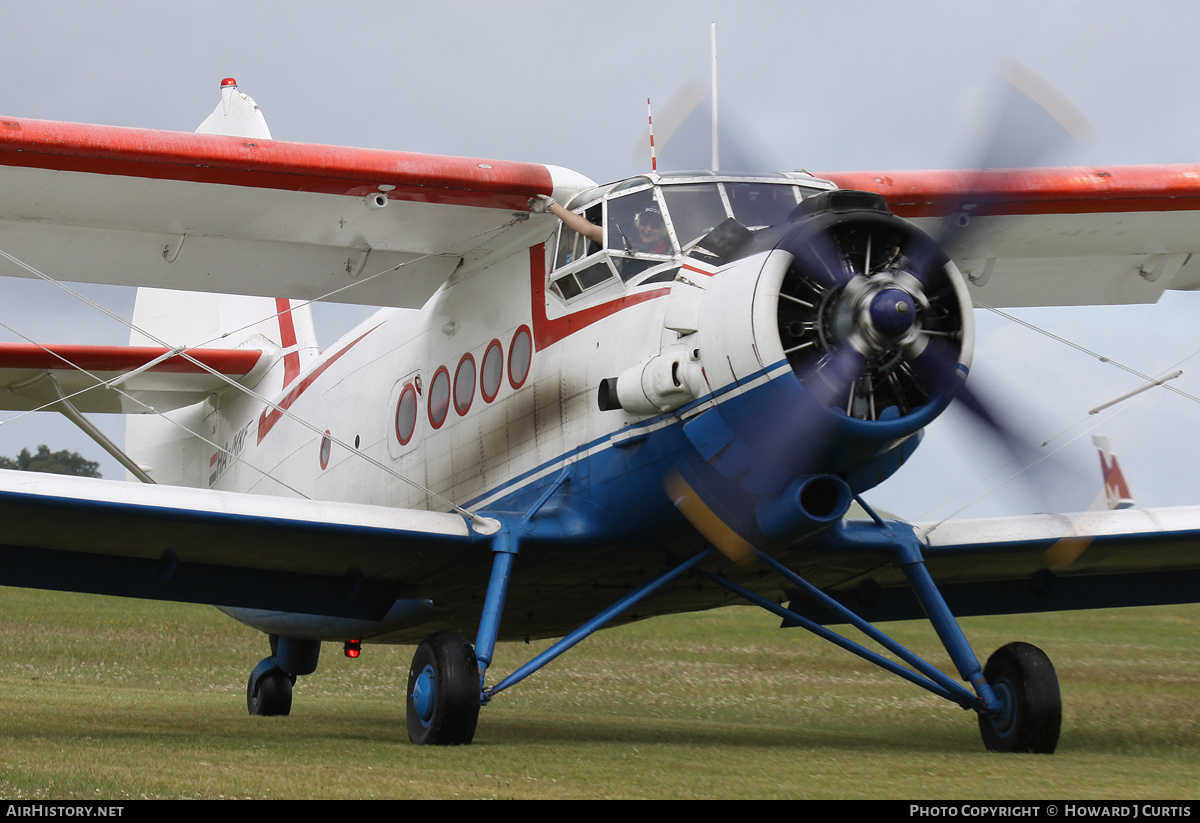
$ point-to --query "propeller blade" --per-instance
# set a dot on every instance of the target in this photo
(871, 318)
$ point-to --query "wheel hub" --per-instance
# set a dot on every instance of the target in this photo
(1004, 720)
(424, 692)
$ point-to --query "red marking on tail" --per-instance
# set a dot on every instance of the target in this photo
(287, 338)
(1115, 487)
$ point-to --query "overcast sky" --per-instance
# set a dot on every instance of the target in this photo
(815, 85)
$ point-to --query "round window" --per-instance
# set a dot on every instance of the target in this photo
(439, 397)
(464, 384)
(520, 353)
(406, 414)
(326, 447)
(492, 371)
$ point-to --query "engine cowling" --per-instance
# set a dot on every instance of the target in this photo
(859, 331)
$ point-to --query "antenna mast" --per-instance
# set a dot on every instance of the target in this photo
(716, 164)
(650, 120)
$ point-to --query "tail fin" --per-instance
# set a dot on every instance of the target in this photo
(282, 332)
(166, 446)
(237, 115)
(1116, 490)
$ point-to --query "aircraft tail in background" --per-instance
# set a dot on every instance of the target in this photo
(1116, 494)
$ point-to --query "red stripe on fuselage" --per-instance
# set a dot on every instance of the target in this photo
(271, 416)
(1075, 190)
(269, 164)
(686, 267)
(547, 332)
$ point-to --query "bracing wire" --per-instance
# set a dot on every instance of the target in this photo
(183, 352)
(101, 383)
(1157, 383)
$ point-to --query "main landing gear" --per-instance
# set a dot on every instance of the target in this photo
(1016, 696)
(443, 691)
(1023, 679)
(271, 695)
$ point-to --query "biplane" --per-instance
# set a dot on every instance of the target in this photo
(578, 405)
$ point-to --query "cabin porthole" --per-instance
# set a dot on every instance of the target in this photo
(520, 354)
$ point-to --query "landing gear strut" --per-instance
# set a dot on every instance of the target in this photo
(443, 691)
(1016, 695)
(1024, 679)
(269, 689)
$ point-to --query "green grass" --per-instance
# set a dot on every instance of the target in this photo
(117, 699)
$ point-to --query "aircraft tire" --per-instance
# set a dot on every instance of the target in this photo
(1023, 677)
(443, 691)
(273, 697)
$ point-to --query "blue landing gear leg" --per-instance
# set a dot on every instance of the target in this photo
(445, 680)
(269, 689)
(1021, 707)
(1016, 695)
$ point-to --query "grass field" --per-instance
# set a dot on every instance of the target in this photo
(119, 699)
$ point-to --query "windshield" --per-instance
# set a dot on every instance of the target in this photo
(648, 222)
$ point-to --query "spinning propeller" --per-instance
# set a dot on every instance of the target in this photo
(875, 322)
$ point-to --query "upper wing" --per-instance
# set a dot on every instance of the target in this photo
(1066, 236)
(239, 215)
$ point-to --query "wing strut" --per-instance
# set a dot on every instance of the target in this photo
(595, 624)
(73, 414)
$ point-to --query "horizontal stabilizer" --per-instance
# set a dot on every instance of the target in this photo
(32, 376)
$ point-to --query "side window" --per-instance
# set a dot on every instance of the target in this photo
(571, 277)
(579, 281)
(572, 245)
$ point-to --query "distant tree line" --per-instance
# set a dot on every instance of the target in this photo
(60, 462)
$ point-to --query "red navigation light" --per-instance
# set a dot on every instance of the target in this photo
(228, 81)
(352, 648)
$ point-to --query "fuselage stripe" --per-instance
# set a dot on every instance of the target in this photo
(271, 416)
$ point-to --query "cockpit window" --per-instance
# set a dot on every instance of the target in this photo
(636, 225)
(695, 209)
(648, 221)
(573, 246)
(570, 247)
(760, 204)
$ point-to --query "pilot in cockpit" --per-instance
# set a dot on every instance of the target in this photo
(652, 235)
